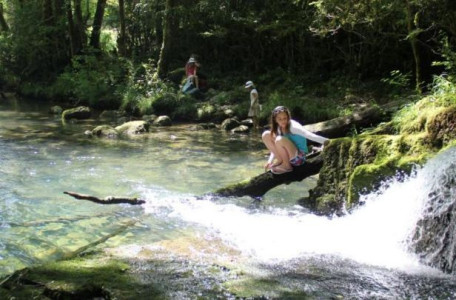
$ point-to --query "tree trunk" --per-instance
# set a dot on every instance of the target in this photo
(158, 23)
(412, 36)
(168, 32)
(258, 186)
(79, 25)
(121, 40)
(97, 22)
(48, 15)
(73, 39)
(59, 7)
(3, 24)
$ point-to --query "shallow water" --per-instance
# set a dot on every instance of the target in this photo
(363, 255)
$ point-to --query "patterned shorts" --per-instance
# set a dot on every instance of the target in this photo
(299, 159)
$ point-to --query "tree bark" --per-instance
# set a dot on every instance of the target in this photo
(59, 7)
(107, 200)
(366, 117)
(73, 39)
(97, 22)
(48, 14)
(121, 40)
(3, 25)
(168, 32)
(259, 185)
(411, 28)
(79, 25)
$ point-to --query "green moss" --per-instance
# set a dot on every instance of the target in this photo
(205, 112)
(358, 165)
(84, 278)
(326, 204)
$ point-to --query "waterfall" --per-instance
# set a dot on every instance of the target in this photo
(407, 224)
(434, 236)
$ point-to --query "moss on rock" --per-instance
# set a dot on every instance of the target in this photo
(357, 166)
(441, 127)
(89, 277)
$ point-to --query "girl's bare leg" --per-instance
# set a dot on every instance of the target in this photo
(286, 150)
(269, 142)
(196, 82)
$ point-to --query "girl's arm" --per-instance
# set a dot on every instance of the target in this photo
(297, 128)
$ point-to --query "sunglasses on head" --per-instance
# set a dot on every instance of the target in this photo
(279, 109)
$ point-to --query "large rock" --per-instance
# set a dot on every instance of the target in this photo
(230, 124)
(241, 129)
(133, 128)
(80, 113)
(105, 131)
(163, 121)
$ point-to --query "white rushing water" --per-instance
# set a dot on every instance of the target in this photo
(374, 234)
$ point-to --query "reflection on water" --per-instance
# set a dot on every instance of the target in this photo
(40, 158)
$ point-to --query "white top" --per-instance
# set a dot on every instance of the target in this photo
(296, 128)
(254, 104)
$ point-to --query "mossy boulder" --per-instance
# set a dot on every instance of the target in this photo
(357, 166)
(89, 277)
(230, 124)
(133, 128)
(163, 121)
(104, 131)
(441, 127)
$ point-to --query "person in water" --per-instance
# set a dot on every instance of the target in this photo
(254, 111)
(287, 142)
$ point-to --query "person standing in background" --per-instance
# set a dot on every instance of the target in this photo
(254, 111)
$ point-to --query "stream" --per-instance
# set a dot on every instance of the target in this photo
(363, 255)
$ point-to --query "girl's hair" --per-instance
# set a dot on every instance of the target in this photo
(275, 112)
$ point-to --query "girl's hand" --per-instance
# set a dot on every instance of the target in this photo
(267, 166)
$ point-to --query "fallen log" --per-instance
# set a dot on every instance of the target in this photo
(106, 200)
(366, 117)
(257, 186)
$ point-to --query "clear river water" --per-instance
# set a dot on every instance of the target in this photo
(363, 255)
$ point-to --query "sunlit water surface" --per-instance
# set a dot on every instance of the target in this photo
(362, 255)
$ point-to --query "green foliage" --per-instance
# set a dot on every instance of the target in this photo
(31, 44)
(92, 80)
(444, 89)
(108, 40)
(147, 94)
(398, 79)
(448, 57)
(413, 116)
(186, 109)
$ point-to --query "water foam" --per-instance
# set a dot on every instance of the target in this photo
(374, 234)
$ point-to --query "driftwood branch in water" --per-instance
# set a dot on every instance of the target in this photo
(106, 200)
(261, 184)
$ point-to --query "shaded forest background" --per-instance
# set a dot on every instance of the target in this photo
(319, 55)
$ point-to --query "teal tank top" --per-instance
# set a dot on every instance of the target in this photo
(299, 141)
